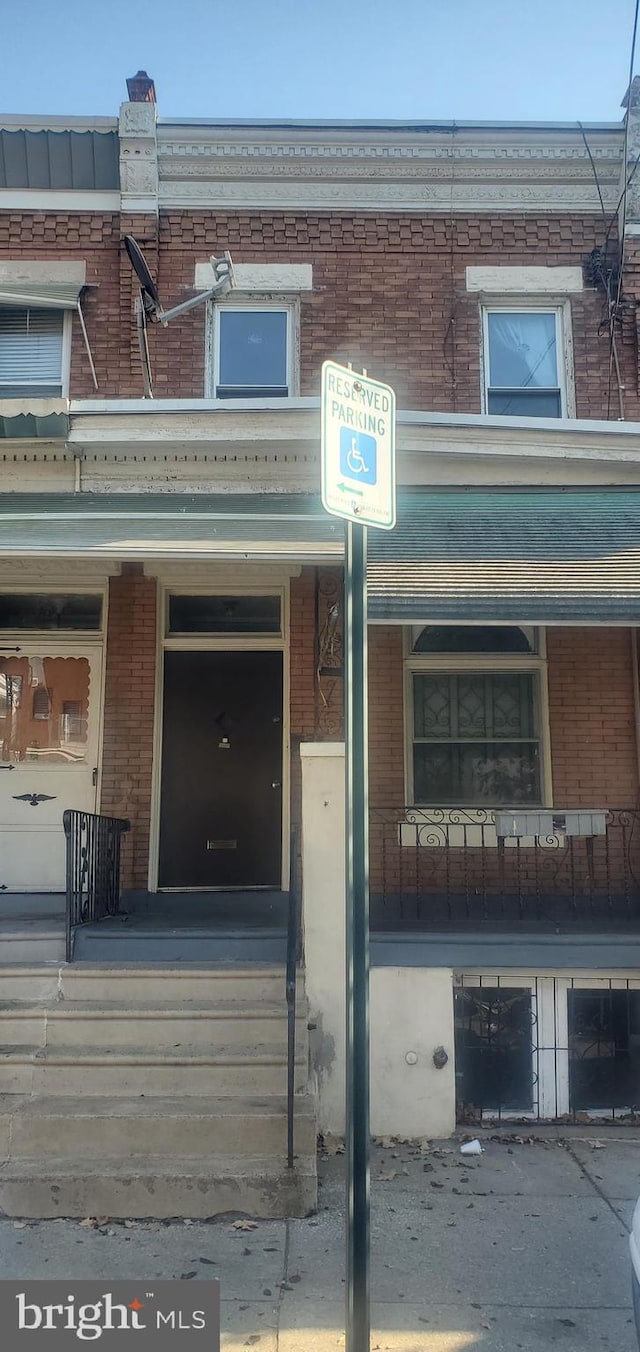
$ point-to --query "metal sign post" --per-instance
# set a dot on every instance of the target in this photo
(358, 484)
(357, 941)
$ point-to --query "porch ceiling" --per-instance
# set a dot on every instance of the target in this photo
(539, 556)
(141, 526)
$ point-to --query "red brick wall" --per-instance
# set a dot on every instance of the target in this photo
(386, 716)
(302, 656)
(591, 714)
(389, 293)
(129, 711)
(591, 717)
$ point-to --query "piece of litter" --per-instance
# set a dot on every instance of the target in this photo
(471, 1148)
(19, 1225)
(244, 1225)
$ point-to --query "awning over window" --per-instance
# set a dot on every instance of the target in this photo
(526, 555)
(42, 285)
(33, 418)
(278, 526)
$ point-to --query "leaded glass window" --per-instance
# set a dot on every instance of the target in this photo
(474, 738)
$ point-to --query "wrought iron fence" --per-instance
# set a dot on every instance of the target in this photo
(93, 868)
(449, 868)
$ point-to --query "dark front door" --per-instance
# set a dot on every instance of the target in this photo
(221, 797)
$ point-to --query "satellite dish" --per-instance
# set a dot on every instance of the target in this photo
(149, 305)
(141, 269)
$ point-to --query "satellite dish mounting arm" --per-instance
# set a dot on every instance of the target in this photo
(149, 305)
(225, 281)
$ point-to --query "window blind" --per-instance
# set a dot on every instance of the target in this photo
(30, 351)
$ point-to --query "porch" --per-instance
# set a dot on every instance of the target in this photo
(505, 872)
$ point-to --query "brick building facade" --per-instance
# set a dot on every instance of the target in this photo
(421, 254)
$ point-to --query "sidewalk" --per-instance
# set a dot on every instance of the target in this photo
(521, 1250)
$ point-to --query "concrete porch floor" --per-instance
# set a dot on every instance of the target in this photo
(151, 927)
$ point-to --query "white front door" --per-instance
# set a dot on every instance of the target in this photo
(50, 699)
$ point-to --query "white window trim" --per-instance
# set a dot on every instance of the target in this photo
(263, 278)
(250, 303)
(65, 359)
(452, 664)
(557, 306)
(524, 281)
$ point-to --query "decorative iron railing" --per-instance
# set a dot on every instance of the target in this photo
(294, 953)
(93, 868)
(450, 868)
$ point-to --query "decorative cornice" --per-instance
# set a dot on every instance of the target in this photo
(368, 169)
(138, 157)
(379, 152)
(275, 194)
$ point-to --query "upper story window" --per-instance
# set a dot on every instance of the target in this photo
(33, 352)
(252, 351)
(524, 363)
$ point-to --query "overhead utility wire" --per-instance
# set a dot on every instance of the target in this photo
(613, 351)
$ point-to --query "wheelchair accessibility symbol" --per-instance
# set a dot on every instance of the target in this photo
(358, 456)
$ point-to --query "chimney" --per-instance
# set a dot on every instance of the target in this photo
(141, 88)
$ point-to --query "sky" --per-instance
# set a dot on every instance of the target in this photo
(560, 60)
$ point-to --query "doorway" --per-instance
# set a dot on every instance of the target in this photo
(221, 796)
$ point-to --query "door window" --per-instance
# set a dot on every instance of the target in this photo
(44, 709)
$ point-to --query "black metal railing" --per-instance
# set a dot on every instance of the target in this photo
(93, 868)
(449, 868)
(294, 953)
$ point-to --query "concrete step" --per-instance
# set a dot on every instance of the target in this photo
(197, 1189)
(32, 941)
(135, 986)
(187, 1071)
(68, 1128)
(32, 905)
(206, 1026)
(25, 982)
(120, 942)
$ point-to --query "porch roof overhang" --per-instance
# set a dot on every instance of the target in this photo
(526, 556)
(284, 527)
(284, 428)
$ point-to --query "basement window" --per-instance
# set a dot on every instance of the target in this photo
(604, 1049)
(493, 1049)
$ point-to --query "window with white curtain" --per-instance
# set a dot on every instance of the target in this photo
(31, 352)
(523, 362)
